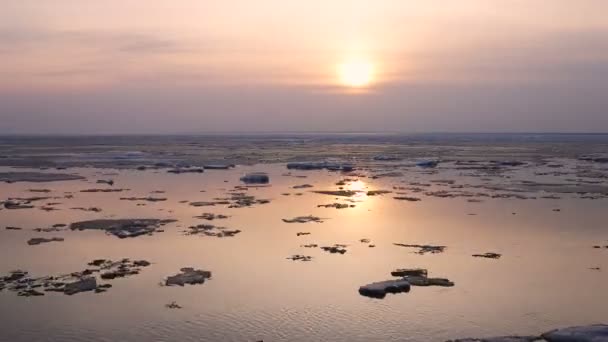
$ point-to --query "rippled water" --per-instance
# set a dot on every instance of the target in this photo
(542, 281)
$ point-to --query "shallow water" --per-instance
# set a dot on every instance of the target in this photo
(542, 281)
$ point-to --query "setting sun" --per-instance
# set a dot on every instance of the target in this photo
(356, 74)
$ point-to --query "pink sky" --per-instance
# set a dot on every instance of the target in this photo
(160, 66)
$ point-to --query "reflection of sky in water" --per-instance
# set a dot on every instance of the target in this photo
(256, 293)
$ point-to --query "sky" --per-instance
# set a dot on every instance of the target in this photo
(197, 66)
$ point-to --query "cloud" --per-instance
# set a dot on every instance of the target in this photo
(30, 39)
(39, 58)
(169, 108)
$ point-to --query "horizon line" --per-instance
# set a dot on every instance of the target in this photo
(277, 133)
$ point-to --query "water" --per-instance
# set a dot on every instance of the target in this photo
(542, 281)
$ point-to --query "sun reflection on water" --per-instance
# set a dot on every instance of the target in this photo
(357, 185)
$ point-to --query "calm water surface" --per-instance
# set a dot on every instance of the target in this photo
(542, 281)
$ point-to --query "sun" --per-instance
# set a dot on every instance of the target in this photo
(356, 73)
